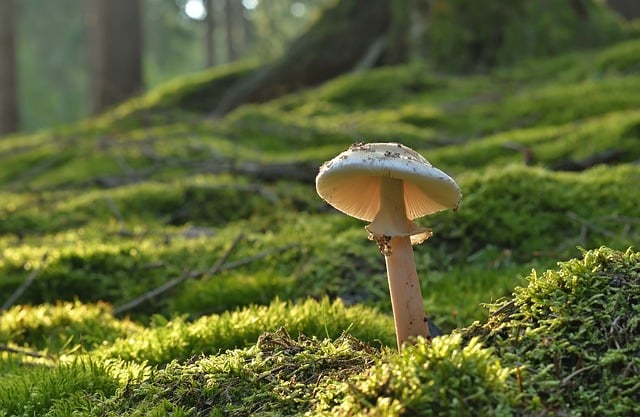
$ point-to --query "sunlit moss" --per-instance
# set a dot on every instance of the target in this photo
(65, 326)
(43, 389)
(573, 332)
(178, 339)
(441, 378)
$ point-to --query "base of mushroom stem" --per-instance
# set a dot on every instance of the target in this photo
(404, 288)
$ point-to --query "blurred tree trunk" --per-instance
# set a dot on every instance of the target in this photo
(9, 114)
(209, 33)
(115, 51)
(248, 30)
(629, 9)
(228, 25)
(333, 45)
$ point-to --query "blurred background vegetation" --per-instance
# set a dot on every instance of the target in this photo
(52, 44)
(55, 41)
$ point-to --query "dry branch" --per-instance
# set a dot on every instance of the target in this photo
(23, 287)
(186, 274)
(31, 353)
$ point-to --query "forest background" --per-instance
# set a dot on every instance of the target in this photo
(50, 51)
(53, 39)
(163, 250)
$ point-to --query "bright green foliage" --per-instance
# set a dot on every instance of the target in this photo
(177, 339)
(65, 325)
(54, 391)
(562, 146)
(441, 378)
(530, 210)
(573, 333)
(278, 376)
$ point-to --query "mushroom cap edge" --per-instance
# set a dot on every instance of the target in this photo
(350, 182)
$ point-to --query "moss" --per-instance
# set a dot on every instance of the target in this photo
(279, 375)
(548, 146)
(110, 209)
(573, 333)
(565, 343)
(179, 339)
(194, 93)
(519, 213)
(41, 390)
(618, 59)
(442, 378)
(530, 210)
(62, 326)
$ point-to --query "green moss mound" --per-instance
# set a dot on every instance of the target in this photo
(529, 210)
(278, 376)
(573, 334)
(441, 378)
(509, 215)
(565, 344)
(179, 339)
(62, 326)
(60, 390)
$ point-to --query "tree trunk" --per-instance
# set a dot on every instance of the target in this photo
(209, 40)
(9, 114)
(248, 30)
(115, 51)
(228, 25)
(332, 46)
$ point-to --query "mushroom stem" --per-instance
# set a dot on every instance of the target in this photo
(404, 287)
(406, 296)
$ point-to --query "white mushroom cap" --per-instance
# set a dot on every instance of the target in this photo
(351, 182)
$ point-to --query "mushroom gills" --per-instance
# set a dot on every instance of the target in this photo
(391, 219)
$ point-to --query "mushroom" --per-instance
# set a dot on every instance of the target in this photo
(390, 185)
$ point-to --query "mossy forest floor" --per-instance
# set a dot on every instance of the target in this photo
(158, 261)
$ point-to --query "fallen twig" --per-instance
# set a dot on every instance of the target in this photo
(23, 287)
(114, 209)
(247, 260)
(589, 224)
(186, 274)
(148, 295)
(31, 353)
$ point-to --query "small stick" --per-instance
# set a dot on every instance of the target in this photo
(114, 209)
(248, 260)
(148, 295)
(23, 287)
(186, 274)
(589, 225)
(31, 353)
